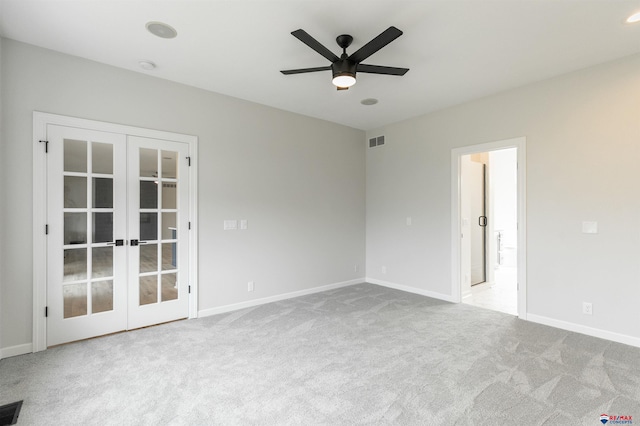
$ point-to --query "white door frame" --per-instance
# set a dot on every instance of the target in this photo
(456, 218)
(40, 122)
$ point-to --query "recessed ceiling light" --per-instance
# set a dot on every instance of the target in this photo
(147, 65)
(369, 101)
(633, 18)
(161, 29)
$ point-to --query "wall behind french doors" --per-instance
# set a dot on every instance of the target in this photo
(118, 211)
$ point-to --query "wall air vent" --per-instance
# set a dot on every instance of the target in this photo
(373, 142)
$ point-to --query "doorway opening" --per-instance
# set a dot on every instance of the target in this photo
(488, 237)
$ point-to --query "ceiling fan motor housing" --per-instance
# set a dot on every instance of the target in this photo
(343, 67)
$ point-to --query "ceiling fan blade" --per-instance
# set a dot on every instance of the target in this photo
(378, 69)
(386, 37)
(304, 37)
(303, 70)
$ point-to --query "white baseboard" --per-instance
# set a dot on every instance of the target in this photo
(256, 302)
(26, 348)
(583, 329)
(408, 289)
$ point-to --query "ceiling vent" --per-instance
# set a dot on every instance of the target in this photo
(373, 142)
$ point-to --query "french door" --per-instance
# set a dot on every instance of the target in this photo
(117, 213)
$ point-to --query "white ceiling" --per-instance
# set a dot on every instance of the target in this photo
(457, 50)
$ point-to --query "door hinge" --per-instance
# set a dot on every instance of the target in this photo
(46, 146)
(189, 224)
(46, 311)
(189, 161)
(189, 289)
(46, 229)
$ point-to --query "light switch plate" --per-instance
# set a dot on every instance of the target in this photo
(230, 225)
(589, 227)
(244, 224)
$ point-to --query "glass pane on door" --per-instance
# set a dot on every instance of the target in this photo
(169, 256)
(88, 269)
(158, 219)
(169, 194)
(169, 287)
(75, 156)
(75, 228)
(103, 193)
(101, 296)
(148, 194)
(169, 164)
(75, 192)
(148, 258)
(75, 300)
(148, 289)
(75, 265)
(102, 155)
(102, 264)
(102, 227)
(148, 226)
(169, 226)
(148, 162)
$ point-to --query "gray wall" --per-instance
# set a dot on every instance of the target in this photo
(583, 152)
(300, 182)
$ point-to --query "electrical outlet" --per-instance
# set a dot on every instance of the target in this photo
(587, 308)
(384, 269)
(355, 268)
(250, 286)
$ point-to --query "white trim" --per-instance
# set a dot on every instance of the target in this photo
(193, 236)
(40, 122)
(256, 302)
(25, 348)
(414, 290)
(583, 329)
(39, 337)
(456, 153)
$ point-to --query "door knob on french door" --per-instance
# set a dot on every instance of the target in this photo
(137, 242)
(116, 243)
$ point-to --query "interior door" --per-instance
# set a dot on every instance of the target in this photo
(118, 224)
(477, 193)
(86, 208)
(158, 231)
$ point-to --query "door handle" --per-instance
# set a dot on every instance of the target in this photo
(482, 221)
(137, 242)
(116, 243)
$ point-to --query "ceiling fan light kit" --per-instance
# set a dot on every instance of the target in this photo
(634, 18)
(344, 68)
(344, 73)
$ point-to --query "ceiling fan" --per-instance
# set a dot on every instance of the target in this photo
(344, 68)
